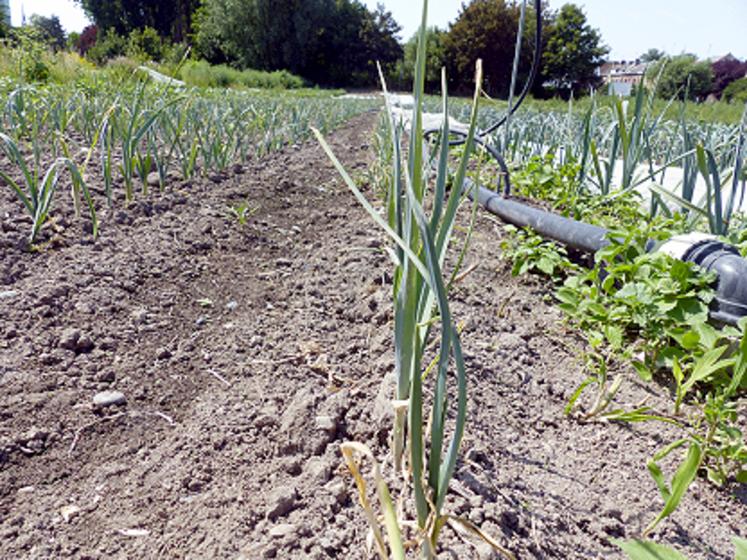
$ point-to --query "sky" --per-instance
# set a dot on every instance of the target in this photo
(629, 27)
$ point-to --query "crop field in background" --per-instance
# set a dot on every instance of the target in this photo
(209, 349)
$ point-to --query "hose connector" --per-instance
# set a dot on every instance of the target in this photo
(730, 303)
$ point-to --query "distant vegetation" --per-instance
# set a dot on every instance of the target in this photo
(337, 43)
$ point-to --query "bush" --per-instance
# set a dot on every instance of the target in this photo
(736, 91)
(201, 74)
(683, 76)
(145, 44)
(108, 46)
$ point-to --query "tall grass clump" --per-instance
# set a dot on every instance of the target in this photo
(202, 74)
(425, 444)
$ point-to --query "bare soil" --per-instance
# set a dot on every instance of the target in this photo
(248, 353)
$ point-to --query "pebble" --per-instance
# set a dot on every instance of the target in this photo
(69, 339)
(231, 305)
(8, 294)
(326, 423)
(109, 398)
(318, 470)
(283, 530)
(153, 179)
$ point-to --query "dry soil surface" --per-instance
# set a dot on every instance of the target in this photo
(245, 354)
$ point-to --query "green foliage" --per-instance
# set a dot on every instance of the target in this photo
(202, 74)
(145, 44)
(108, 45)
(652, 55)
(736, 92)
(170, 18)
(647, 550)
(29, 54)
(560, 186)
(242, 212)
(403, 72)
(530, 253)
(574, 51)
(323, 41)
(683, 77)
(50, 30)
(649, 310)
(643, 297)
(486, 29)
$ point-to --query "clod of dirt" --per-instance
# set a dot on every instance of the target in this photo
(318, 470)
(109, 398)
(75, 341)
(282, 501)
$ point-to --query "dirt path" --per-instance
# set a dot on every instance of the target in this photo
(246, 354)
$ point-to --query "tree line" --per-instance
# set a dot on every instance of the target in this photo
(338, 43)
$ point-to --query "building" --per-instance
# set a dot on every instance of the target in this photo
(621, 76)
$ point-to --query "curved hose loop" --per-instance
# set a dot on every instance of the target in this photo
(480, 136)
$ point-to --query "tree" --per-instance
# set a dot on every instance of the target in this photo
(87, 39)
(725, 71)
(574, 51)
(485, 29)
(403, 73)
(331, 42)
(170, 18)
(682, 76)
(652, 55)
(50, 30)
(736, 91)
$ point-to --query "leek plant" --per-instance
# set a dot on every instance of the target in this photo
(36, 190)
(421, 242)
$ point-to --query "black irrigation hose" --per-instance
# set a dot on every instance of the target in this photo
(480, 136)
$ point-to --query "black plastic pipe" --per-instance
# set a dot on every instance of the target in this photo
(579, 235)
(730, 302)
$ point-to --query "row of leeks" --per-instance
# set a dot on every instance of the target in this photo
(135, 129)
(676, 164)
(426, 458)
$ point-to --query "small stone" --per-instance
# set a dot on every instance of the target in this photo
(283, 530)
(109, 398)
(163, 354)
(35, 434)
(201, 321)
(318, 470)
(84, 344)
(153, 179)
(326, 423)
(106, 377)
(68, 512)
(69, 339)
(139, 316)
(8, 294)
(231, 305)
(339, 491)
(217, 177)
(195, 485)
(282, 501)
